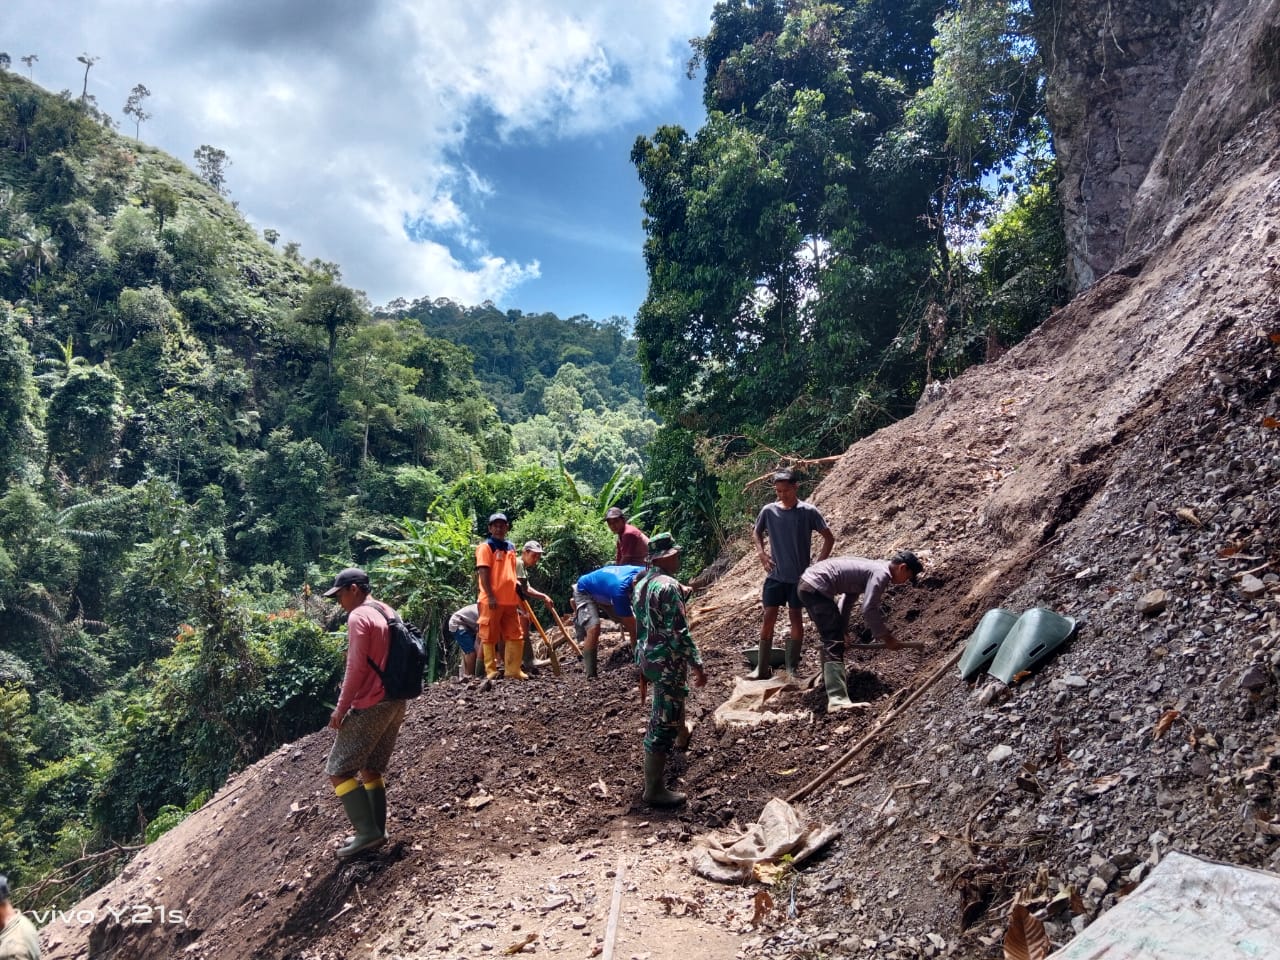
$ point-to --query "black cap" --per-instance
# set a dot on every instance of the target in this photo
(614, 513)
(911, 560)
(495, 517)
(785, 476)
(346, 578)
(4, 889)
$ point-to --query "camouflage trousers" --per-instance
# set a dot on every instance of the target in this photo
(666, 716)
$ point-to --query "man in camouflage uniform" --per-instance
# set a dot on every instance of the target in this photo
(664, 652)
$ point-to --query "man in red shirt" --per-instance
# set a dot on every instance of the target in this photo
(366, 721)
(633, 545)
(499, 601)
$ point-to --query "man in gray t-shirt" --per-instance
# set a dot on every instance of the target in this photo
(822, 586)
(788, 524)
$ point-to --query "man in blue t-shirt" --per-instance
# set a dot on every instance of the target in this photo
(603, 593)
(788, 524)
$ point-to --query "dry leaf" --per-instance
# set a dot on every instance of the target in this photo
(1060, 904)
(1189, 515)
(1099, 786)
(1274, 337)
(1021, 675)
(1025, 939)
(1271, 423)
(764, 903)
(1077, 903)
(1029, 783)
(1230, 550)
(1164, 723)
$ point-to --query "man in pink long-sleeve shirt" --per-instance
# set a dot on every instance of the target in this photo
(366, 721)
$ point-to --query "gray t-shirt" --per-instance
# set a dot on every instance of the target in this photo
(19, 940)
(790, 535)
(468, 618)
(852, 576)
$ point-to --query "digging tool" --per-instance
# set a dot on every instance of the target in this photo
(565, 633)
(533, 618)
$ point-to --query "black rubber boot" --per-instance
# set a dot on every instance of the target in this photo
(656, 793)
(794, 645)
(360, 812)
(378, 801)
(764, 660)
(833, 677)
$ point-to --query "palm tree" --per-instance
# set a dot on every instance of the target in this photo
(40, 249)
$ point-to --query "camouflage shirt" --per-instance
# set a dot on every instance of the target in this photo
(664, 646)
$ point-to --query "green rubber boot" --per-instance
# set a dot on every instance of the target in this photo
(355, 801)
(527, 666)
(764, 660)
(656, 793)
(589, 662)
(794, 645)
(377, 792)
(833, 677)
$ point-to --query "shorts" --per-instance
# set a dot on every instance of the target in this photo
(465, 639)
(366, 738)
(776, 594)
(499, 624)
(588, 612)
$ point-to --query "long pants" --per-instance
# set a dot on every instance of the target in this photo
(666, 715)
(831, 621)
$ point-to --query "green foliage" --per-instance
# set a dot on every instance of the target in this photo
(513, 492)
(287, 502)
(575, 539)
(17, 399)
(234, 688)
(800, 244)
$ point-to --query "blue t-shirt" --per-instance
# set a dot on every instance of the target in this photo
(611, 585)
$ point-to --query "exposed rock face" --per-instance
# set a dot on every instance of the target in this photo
(1141, 97)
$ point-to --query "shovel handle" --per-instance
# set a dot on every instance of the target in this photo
(565, 633)
(555, 661)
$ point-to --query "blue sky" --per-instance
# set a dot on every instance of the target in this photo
(477, 151)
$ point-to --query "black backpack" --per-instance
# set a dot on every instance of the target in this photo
(406, 657)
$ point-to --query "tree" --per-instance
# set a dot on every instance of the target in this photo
(24, 107)
(17, 399)
(88, 62)
(133, 107)
(212, 164)
(271, 235)
(30, 60)
(5, 60)
(38, 249)
(163, 201)
(333, 307)
(86, 416)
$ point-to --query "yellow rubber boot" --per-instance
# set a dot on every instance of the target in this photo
(490, 660)
(511, 660)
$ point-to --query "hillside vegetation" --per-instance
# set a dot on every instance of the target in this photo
(196, 426)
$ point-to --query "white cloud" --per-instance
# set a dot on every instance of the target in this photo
(346, 121)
